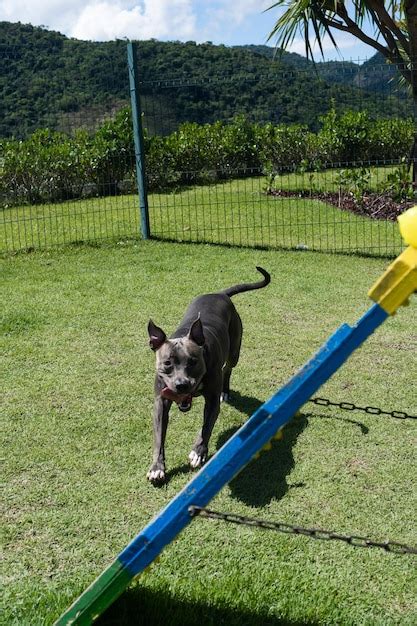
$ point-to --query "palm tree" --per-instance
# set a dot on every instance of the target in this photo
(395, 36)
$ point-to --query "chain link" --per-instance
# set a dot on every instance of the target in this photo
(373, 410)
(314, 533)
(318, 533)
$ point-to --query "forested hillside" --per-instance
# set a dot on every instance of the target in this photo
(49, 80)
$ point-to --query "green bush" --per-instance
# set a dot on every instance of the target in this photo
(112, 154)
(239, 147)
(52, 166)
(355, 181)
(161, 164)
(285, 147)
(353, 137)
(398, 183)
(200, 153)
(391, 140)
(345, 138)
(48, 166)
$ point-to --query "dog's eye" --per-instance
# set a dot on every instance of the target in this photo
(167, 363)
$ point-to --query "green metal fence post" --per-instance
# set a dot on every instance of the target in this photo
(138, 138)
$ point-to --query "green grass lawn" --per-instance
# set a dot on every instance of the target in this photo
(329, 179)
(240, 213)
(236, 212)
(77, 405)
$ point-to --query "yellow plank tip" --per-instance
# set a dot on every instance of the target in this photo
(407, 222)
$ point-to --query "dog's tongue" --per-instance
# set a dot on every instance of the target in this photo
(183, 400)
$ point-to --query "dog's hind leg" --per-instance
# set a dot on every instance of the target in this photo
(199, 453)
(227, 372)
(235, 334)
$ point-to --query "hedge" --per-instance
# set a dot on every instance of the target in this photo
(53, 166)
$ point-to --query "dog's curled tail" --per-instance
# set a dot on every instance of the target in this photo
(232, 291)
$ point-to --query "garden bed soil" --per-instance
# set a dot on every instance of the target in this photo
(374, 205)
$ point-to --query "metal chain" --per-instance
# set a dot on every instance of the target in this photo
(314, 533)
(318, 533)
(373, 410)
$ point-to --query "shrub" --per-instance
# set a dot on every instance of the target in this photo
(354, 137)
(285, 147)
(391, 140)
(198, 153)
(399, 184)
(52, 166)
(161, 164)
(111, 156)
(354, 181)
(344, 138)
(48, 166)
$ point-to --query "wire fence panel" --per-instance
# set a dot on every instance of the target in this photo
(327, 170)
(67, 168)
(239, 212)
(293, 157)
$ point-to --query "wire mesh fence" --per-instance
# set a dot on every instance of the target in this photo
(280, 155)
(240, 212)
(67, 162)
(335, 183)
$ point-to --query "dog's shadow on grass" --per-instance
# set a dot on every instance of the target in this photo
(176, 471)
(265, 478)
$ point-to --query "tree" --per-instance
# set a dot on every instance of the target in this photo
(395, 36)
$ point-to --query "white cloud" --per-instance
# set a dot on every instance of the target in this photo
(160, 19)
(220, 21)
(54, 14)
(235, 13)
(105, 19)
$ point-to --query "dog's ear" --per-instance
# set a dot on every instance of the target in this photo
(156, 336)
(196, 333)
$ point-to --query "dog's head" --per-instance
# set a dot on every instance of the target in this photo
(180, 363)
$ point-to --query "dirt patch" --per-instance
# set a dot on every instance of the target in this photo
(374, 205)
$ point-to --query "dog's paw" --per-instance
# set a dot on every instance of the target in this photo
(197, 459)
(156, 474)
(224, 396)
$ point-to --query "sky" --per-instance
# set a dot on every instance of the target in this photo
(219, 21)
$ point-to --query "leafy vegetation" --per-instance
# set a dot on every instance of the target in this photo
(59, 83)
(398, 183)
(355, 181)
(51, 166)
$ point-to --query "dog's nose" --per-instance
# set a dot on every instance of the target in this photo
(181, 386)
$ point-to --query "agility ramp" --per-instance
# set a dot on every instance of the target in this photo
(392, 290)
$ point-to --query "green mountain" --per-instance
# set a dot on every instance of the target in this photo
(49, 80)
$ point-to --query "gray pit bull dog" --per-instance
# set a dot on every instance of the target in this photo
(196, 360)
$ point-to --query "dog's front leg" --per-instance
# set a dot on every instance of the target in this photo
(160, 424)
(198, 455)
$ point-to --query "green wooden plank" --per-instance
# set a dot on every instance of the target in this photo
(99, 595)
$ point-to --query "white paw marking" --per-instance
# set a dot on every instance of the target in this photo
(195, 459)
(224, 397)
(156, 475)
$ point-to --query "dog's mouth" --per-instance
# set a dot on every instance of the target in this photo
(183, 400)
